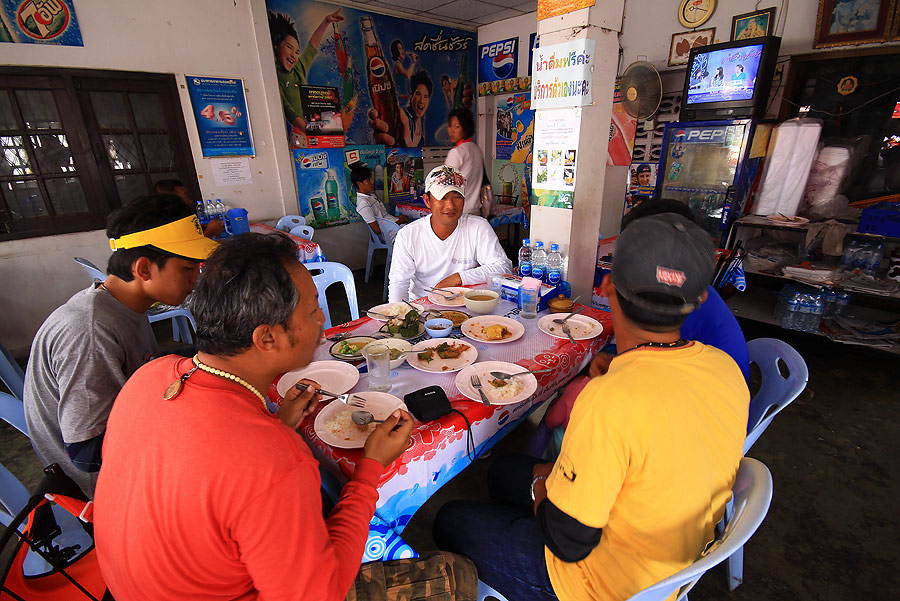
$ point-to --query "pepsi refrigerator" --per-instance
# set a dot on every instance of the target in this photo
(706, 165)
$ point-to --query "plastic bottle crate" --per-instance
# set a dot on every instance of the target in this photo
(882, 219)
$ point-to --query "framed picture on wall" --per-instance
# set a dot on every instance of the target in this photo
(848, 22)
(682, 42)
(755, 24)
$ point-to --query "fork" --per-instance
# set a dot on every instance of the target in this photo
(346, 398)
(476, 384)
(565, 329)
(445, 294)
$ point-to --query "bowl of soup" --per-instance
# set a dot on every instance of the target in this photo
(481, 301)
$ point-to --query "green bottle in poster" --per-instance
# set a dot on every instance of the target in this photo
(461, 81)
(331, 198)
(4, 32)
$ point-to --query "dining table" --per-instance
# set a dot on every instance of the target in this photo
(307, 250)
(439, 450)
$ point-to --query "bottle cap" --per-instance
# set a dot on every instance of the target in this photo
(526, 242)
(539, 244)
(554, 247)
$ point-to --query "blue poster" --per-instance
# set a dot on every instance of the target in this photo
(498, 60)
(532, 44)
(397, 78)
(322, 187)
(39, 22)
(405, 176)
(220, 111)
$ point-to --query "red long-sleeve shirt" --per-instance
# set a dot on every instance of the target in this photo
(208, 496)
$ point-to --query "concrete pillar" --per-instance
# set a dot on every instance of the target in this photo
(576, 230)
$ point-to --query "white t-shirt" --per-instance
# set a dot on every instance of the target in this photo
(370, 208)
(470, 162)
(422, 259)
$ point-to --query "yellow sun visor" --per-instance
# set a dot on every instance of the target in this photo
(183, 237)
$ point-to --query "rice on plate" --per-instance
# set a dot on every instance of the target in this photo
(341, 426)
(500, 390)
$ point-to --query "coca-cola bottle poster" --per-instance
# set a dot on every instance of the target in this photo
(397, 78)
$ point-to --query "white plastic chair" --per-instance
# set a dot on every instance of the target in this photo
(303, 231)
(11, 374)
(289, 222)
(752, 496)
(325, 274)
(775, 393)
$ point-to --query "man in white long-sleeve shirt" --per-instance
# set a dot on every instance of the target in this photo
(447, 248)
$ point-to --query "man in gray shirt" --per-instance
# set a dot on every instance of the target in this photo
(87, 348)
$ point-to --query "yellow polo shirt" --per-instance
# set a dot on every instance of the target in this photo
(650, 456)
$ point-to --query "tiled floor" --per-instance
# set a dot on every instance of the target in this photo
(832, 530)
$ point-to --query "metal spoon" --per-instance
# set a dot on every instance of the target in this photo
(567, 317)
(364, 418)
(504, 376)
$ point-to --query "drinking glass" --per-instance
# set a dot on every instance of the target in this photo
(528, 301)
(378, 363)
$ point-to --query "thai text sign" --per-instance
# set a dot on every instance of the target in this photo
(561, 75)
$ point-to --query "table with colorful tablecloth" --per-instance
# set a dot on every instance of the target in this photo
(502, 214)
(307, 250)
(438, 449)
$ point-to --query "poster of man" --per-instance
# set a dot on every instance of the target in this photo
(383, 67)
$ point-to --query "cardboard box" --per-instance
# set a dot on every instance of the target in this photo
(510, 291)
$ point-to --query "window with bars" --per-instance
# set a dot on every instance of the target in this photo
(76, 144)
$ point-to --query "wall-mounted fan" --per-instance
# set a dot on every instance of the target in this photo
(641, 90)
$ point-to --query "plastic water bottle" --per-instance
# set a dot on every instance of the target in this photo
(202, 217)
(539, 262)
(525, 258)
(817, 305)
(792, 312)
(830, 302)
(554, 265)
(210, 210)
(843, 299)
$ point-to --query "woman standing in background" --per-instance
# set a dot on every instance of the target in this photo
(467, 157)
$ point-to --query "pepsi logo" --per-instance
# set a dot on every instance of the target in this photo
(377, 67)
(306, 162)
(504, 65)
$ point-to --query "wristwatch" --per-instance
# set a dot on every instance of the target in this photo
(535, 481)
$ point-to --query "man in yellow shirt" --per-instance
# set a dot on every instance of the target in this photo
(650, 455)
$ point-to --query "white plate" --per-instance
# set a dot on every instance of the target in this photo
(790, 220)
(380, 404)
(334, 376)
(397, 335)
(441, 301)
(474, 328)
(581, 327)
(394, 309)
(394, 343)
(438, 365)
(483, 369)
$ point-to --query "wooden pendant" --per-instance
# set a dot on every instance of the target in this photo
(173, 390)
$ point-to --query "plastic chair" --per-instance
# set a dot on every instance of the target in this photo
(752, 494)
(330, 273)
(776, 391)
(95, 272)
(289, 222)
(375, 243)
(303, 231)
(389, 230)
(11, 373)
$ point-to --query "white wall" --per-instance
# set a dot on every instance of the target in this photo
(199, 37)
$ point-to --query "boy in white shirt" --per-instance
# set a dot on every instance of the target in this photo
(367, 204)
(447, 248)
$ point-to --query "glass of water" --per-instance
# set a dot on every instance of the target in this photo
(378, 363)
(528, 301)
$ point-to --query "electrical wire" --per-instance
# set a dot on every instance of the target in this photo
(470, 439)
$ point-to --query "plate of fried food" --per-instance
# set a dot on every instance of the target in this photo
(442, 355)
(492, 329)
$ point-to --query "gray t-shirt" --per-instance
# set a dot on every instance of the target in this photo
(80, 358)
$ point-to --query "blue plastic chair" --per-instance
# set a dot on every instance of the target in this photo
(775, 393)
(11, 374)
(752, 495)
(95, 272)
(389, 230)
(289, 222)
(14, 496)
(325, 274)
(375, 243)
(303, 231)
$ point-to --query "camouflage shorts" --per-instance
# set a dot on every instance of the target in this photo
(436, 577)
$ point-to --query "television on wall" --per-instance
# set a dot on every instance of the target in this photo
(729, 80)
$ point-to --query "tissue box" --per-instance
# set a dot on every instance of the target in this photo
(510, 290)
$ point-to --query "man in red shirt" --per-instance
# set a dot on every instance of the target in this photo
(203, 493)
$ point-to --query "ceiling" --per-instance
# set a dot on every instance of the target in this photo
(468, 14)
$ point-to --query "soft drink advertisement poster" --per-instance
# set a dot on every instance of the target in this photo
(405, 177)
(322, 186)
(411, 74)
(374, 157)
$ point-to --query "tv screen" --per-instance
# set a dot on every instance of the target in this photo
(724, 75)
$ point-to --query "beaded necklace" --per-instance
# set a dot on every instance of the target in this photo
(174, 389)
(675, 344)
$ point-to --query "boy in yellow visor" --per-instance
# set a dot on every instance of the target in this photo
(649, 457)
(87, 348)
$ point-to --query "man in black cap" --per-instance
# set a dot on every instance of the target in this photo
(650, 455)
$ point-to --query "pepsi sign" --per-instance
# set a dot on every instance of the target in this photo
(499, 60)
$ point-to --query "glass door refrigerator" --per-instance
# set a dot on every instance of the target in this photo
(707, 166)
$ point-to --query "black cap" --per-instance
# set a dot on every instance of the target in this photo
(644, 168)
(663, 255)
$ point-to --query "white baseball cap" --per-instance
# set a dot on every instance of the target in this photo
(443, 179)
